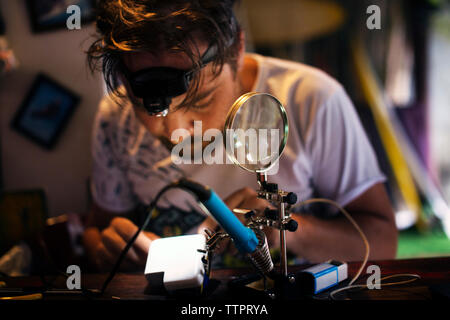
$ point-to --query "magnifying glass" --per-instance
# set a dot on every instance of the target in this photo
(256, 131)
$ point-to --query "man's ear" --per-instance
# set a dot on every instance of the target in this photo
(241, 53)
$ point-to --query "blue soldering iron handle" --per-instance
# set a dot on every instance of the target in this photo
(244, 238)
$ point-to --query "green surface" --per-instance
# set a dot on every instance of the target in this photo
(413, 244)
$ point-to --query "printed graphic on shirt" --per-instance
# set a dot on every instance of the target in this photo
(172, 221)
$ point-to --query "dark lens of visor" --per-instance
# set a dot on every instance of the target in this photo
(156, 106)
(158, 85)
(159, 82)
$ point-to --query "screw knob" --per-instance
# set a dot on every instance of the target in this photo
(271, 214)
(290, 198)
(291, 225)
(249, 214)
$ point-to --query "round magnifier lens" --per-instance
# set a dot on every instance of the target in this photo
(256, 131)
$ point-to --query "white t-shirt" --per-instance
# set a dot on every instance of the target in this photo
(327, 153)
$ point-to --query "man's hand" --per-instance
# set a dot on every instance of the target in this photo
(247, 198)
(114, 239)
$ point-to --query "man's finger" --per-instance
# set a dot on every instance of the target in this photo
(115, 244)
(237, 198)
(247, 199)
(104, 258)
(126, 229)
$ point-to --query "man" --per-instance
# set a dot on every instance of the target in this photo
(327, 154)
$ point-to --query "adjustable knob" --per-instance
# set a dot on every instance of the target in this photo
(290, 198)
(291, 225)
(271, 187)
(249, 214)
(271, 214)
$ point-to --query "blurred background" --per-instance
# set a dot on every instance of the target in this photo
(391, 57)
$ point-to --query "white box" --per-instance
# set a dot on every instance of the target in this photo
(179, 260)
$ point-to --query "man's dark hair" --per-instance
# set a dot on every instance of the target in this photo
(155, 25)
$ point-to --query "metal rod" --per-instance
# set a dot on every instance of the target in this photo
(261, 177)
(283, 251)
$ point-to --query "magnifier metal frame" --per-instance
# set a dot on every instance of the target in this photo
(230, 120)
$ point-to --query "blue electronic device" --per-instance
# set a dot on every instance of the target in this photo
(322, 276)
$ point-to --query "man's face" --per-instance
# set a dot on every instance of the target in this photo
(214, 97)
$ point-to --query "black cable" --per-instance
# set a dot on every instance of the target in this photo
(151, 207)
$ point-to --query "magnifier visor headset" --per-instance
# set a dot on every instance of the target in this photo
(156, 86)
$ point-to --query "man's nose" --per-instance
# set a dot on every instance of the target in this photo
(178, 120)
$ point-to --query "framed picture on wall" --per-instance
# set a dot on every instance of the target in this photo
(48, 15)
(45, 111)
